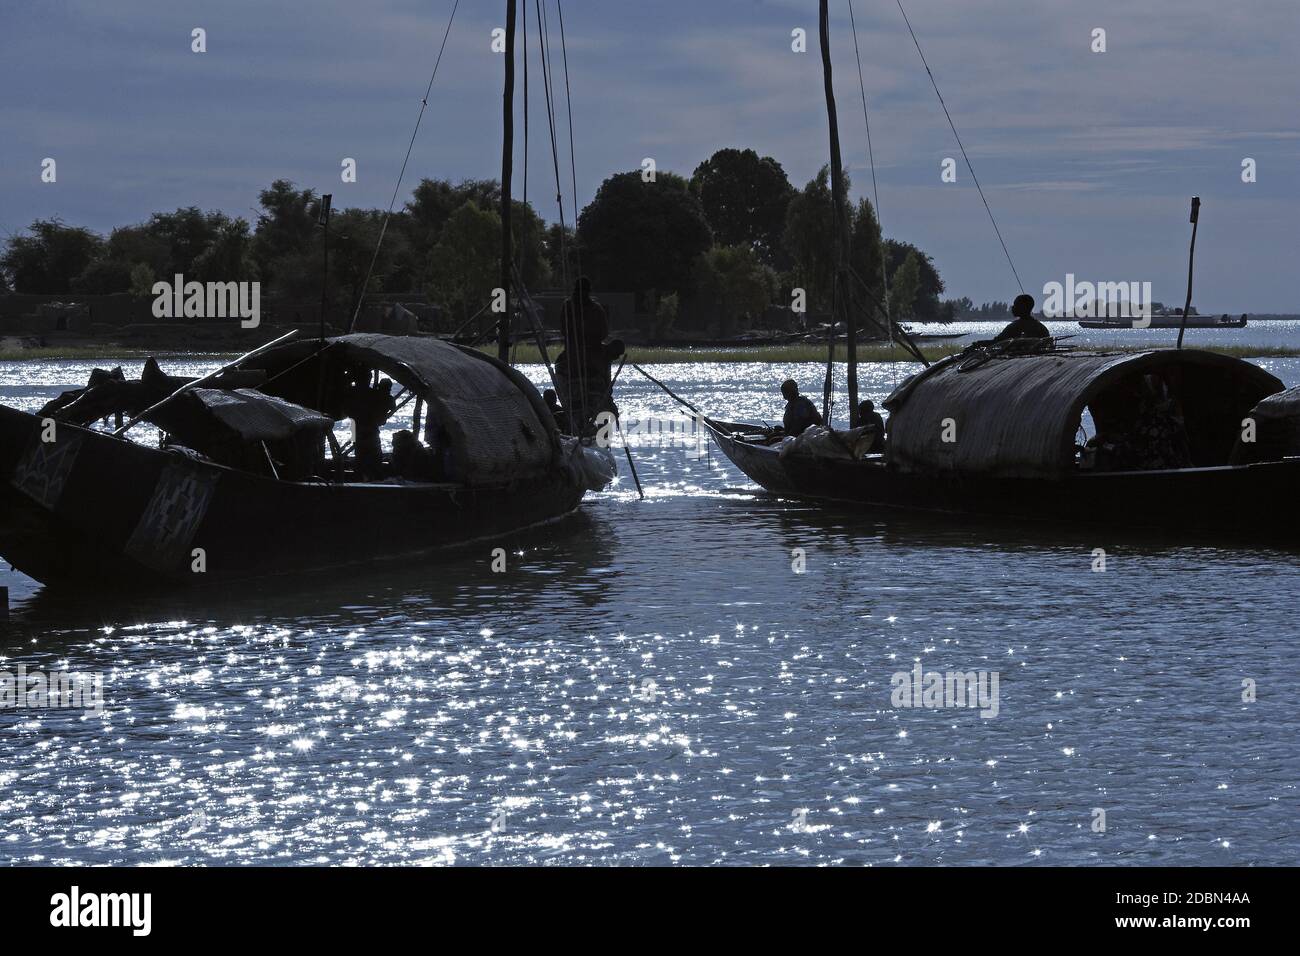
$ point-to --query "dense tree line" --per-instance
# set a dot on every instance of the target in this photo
(736, 235)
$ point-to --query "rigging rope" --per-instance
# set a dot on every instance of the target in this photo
(953, 126)
(397, 187)
(573, 163)
(875, 192)
(525, 45)
(543, 42)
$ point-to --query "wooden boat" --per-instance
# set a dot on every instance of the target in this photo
(993, 432)
(241, 485)
(87, 508)
(1175, 439)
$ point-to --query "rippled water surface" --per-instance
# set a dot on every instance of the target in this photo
(650, 682)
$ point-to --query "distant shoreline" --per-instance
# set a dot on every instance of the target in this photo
(529, 355)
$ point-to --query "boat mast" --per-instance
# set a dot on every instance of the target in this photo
(838, 240)
(507, 158)
(1191, 260)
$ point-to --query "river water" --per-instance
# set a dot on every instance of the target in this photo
(665, 681)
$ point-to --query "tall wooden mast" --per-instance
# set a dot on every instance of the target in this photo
(507, 161)
(840, 238)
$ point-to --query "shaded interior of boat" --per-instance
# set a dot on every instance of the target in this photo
(274, 415)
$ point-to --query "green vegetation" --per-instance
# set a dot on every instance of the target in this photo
(745, 198)
(643, 236)
(95, 353)
(718, 253)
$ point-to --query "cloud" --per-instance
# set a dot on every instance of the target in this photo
(1087, 159)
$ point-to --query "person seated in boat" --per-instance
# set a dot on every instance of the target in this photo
(369, 408)
(867, 415)
(412, 460)
(1024, 325)
(800, 412)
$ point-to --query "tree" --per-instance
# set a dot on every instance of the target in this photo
(736, 281)
(229, 257)
(51, 258)
(139, 244)
(531, 255)
(959, 308)
(434, 200)
(643, 236)
(467, 259)
(286, 226)
(142, 279)
(904, 288)
(809, 238)
(186, 233)
(103, 277)
(354, 234)
(130, 253)
(666, 311)
(744, 197)
(926, 306)
(866, 250)
(563, 254)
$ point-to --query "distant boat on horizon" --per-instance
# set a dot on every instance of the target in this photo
(1169, 321)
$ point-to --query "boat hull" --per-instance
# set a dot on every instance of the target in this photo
(1256, 501)
(88, 509)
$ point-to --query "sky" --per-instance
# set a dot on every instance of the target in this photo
(1088, 159)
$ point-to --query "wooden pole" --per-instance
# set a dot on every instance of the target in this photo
(326, 201)
(507, 159)
(203, 380)
(841, 289)
(1191, 258)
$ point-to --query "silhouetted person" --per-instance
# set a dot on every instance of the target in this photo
(867, 415)
(586, 324)
(800, 412)
(369, 408)
(1024, 325)
(583, 367)
(411, 460)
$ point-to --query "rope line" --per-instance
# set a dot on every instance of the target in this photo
(875, 192)
(544, 43)
(398, 186)
(955, 134)
(525, 46)
(573, 163)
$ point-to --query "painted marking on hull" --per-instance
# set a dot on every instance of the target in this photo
(42, 473)
(166, 529)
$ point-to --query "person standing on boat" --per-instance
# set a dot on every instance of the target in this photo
(583, 366)
(1024, 325)
(800, 412)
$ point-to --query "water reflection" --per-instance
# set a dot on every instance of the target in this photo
(570, 559)
(656, 682)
